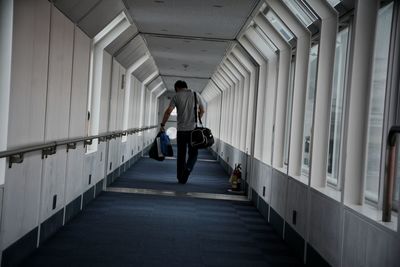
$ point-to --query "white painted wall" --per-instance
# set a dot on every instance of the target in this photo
(6, 26)
(26, 116)
(48, 94)
(57, 110)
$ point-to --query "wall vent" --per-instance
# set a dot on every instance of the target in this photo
(54, 202)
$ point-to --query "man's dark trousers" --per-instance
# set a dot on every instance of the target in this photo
(185, 167)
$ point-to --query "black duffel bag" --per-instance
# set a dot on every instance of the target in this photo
(155, 151)
(200, 137)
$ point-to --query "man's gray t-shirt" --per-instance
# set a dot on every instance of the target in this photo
(184, 103)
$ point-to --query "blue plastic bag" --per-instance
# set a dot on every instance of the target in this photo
(166, 147)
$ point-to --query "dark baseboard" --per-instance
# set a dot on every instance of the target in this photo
(294, 240)
(50, 226)
(22, 248)
(72, 209)
(276, 221)
(109, 179)
(88, 196)
(254, 197)
(314, 259)
(99, 187)
(263, 207)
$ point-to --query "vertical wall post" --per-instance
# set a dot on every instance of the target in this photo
(358, 99)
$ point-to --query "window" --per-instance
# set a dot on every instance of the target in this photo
(301, 11)
(309, 109)
(265, 38)
(337, 102)
(171, 132)
(334, 3)
(288, 118)
(279, 25)
(377, 103)
(396, 197)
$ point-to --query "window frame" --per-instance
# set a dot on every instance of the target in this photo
(305, 172)
(331, 182)
(376, 200)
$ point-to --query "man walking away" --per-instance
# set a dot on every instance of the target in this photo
(184, 102)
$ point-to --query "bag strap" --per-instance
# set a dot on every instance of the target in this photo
(195, 110)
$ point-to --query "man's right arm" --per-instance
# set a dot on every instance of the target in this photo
(201, 107)
(201, 111)
(167, 113)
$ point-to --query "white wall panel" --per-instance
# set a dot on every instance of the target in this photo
(53, 183)
(80, 84)
(75, 174)
(57, 110)
(114, 95)
(121, 101)
(105, 91)
(98, 164)
(6, 32)
(29, 72)
(59, 80)
(112, 154)
(26, 122)
(88, 168)
(21, 199)
(78, 115)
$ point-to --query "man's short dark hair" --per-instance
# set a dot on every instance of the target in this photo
(180, 84)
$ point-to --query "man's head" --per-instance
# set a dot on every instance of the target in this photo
(179, 85)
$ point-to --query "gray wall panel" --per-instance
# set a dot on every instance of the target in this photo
(278, 192)
(296, 195)
(324, 227)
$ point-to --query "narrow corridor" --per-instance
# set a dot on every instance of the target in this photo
(146, 229)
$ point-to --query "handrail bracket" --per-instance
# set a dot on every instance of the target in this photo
(49, 151)
(17, 158)
(71, 146)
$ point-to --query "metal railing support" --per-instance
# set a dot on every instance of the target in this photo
(388, 189)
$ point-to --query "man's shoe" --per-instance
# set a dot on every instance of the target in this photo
(185, 175)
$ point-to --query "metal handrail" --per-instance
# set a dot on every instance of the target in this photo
(390, 174)
(16, 155)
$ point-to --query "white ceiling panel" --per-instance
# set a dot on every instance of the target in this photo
(122, 40)
(76, 9)
(205, 18)
(131, 52)
(193, 83)
(145, 70)
(155, 83)
(183, 57)
(101, 14)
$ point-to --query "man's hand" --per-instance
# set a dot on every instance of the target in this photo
(162, 128)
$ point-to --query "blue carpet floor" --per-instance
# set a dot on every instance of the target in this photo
(207, 177)
(140, 230)
(119, 229)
